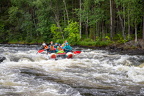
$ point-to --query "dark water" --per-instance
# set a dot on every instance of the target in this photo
(91, 73)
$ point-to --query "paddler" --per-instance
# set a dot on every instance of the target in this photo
(67, 47)
(59, 50)
(44, 46)
(51, 48)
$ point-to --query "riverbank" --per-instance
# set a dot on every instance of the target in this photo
(130, 48)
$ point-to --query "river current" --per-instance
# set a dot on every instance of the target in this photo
(91, 73)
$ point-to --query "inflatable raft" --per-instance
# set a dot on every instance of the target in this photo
(61, 55)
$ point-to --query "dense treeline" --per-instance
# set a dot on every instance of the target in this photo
(34, 21)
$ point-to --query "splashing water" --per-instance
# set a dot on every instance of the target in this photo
(91, 73)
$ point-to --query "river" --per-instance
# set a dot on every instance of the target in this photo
(91, 73)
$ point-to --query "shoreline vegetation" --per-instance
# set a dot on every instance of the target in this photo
(130, 47)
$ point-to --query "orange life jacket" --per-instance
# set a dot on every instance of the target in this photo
(59, 48)
(51, 47)
(46, 47)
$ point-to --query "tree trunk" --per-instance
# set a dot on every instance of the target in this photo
(122, 22)
(143, 21)
(64, 17)
(66, 11)
(135, 32)
(143, 27)
(87, 27)
(103, 33)
(80, 18)
(128, 26)
(58, 24)
(111, 21)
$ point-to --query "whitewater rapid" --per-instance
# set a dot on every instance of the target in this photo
(91, 73)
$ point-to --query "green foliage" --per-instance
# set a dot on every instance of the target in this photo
(98, 1)
(60, 41)
(107, 38)
(89, 42)
(72, 31)
(2, 32)
(100, 42)
(120, 39)
(55, 31)
(92, 33)
(103, 43)
(1, 28)
(44, 20)
(94, 43)
(84, 43)
(13, 11)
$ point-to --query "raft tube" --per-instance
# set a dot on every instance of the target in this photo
(52, 56)
(64, 55)
(69, 55)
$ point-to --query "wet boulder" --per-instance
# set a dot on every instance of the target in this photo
(2, 59)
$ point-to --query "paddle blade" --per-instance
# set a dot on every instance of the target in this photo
(76, 52)
(40, 51)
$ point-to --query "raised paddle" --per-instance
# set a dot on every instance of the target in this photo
(76, 52)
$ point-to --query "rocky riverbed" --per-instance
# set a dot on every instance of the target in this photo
(131, 48)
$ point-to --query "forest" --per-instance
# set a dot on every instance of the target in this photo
(80, 22)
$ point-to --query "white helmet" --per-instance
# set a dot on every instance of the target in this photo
(43, 44)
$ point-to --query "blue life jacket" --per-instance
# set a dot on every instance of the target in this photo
(67, 48)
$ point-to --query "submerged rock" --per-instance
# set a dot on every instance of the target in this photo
(2, 59)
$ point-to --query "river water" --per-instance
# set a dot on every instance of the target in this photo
(91, 73)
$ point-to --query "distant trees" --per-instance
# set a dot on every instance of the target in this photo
(143, 18)
(130, 15)
(44, 20)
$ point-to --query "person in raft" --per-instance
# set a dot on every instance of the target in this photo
(66, 47)
(56, 46)
(44, 46)
(51, 48)
(59, 50)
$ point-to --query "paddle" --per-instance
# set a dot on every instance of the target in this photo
(76, 52)
(40, 51)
